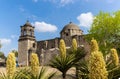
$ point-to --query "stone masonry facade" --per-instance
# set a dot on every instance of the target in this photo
(47, 49)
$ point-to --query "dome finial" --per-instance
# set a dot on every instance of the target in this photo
(70, 21)
(27, 21)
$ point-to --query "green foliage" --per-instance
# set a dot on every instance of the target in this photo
(34, 63)
(2, 55)
(25, 73)
(106, 30)
(11, 64)
(71, 60)
(82, 69)
(0, 44)
(62, 48)
(15, 52)
(63, 64)
(113, 65)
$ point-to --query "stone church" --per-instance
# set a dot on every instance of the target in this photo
(46, 49)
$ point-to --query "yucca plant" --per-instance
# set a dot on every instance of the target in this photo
(43, 74)
(34, 65)
(74, 44)
(94, 45)
(63, 64)
(114, 57)
(62, 48)
(25, 73)
(96, 66)
(113, 65)
(82, 69)
(11, 64)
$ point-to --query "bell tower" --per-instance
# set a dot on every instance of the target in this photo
(26, 44)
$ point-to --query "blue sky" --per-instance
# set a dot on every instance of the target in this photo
(48, 17)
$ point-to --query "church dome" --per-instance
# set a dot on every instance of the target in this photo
(70, 26)
(27, 24)
(70, 29)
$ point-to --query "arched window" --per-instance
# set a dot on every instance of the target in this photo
(33, 45)
(66, 34)
(30, 32)
(25, 33)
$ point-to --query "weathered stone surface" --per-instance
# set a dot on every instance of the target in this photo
(47, 49)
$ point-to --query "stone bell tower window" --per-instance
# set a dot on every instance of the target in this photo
(66, 34)
(33, 45)
(30, 32)
(24, 33)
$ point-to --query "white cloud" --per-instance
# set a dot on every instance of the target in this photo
(85, 19)
(5, 41)
(44, 27)
(64, 2)
(61, 2)
(14, 36)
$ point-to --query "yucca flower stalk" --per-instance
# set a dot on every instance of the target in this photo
(62, 48)
(11, 64)
(34, 64)
(74, 44)
(94, 45)
(97, 66)
(114, 57)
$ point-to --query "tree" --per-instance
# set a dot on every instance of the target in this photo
(15, 52)
(2, 55)
(97, 66)
(11, 64)
(106, 30)
(34, 64)
(0, 44)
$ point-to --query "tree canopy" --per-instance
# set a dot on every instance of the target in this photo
(0, 45)
(106, 30)
(15, 52)
(2, 55)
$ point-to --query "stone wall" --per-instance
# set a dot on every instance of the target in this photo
(47, 49)
(47, 55)
(23, 51)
